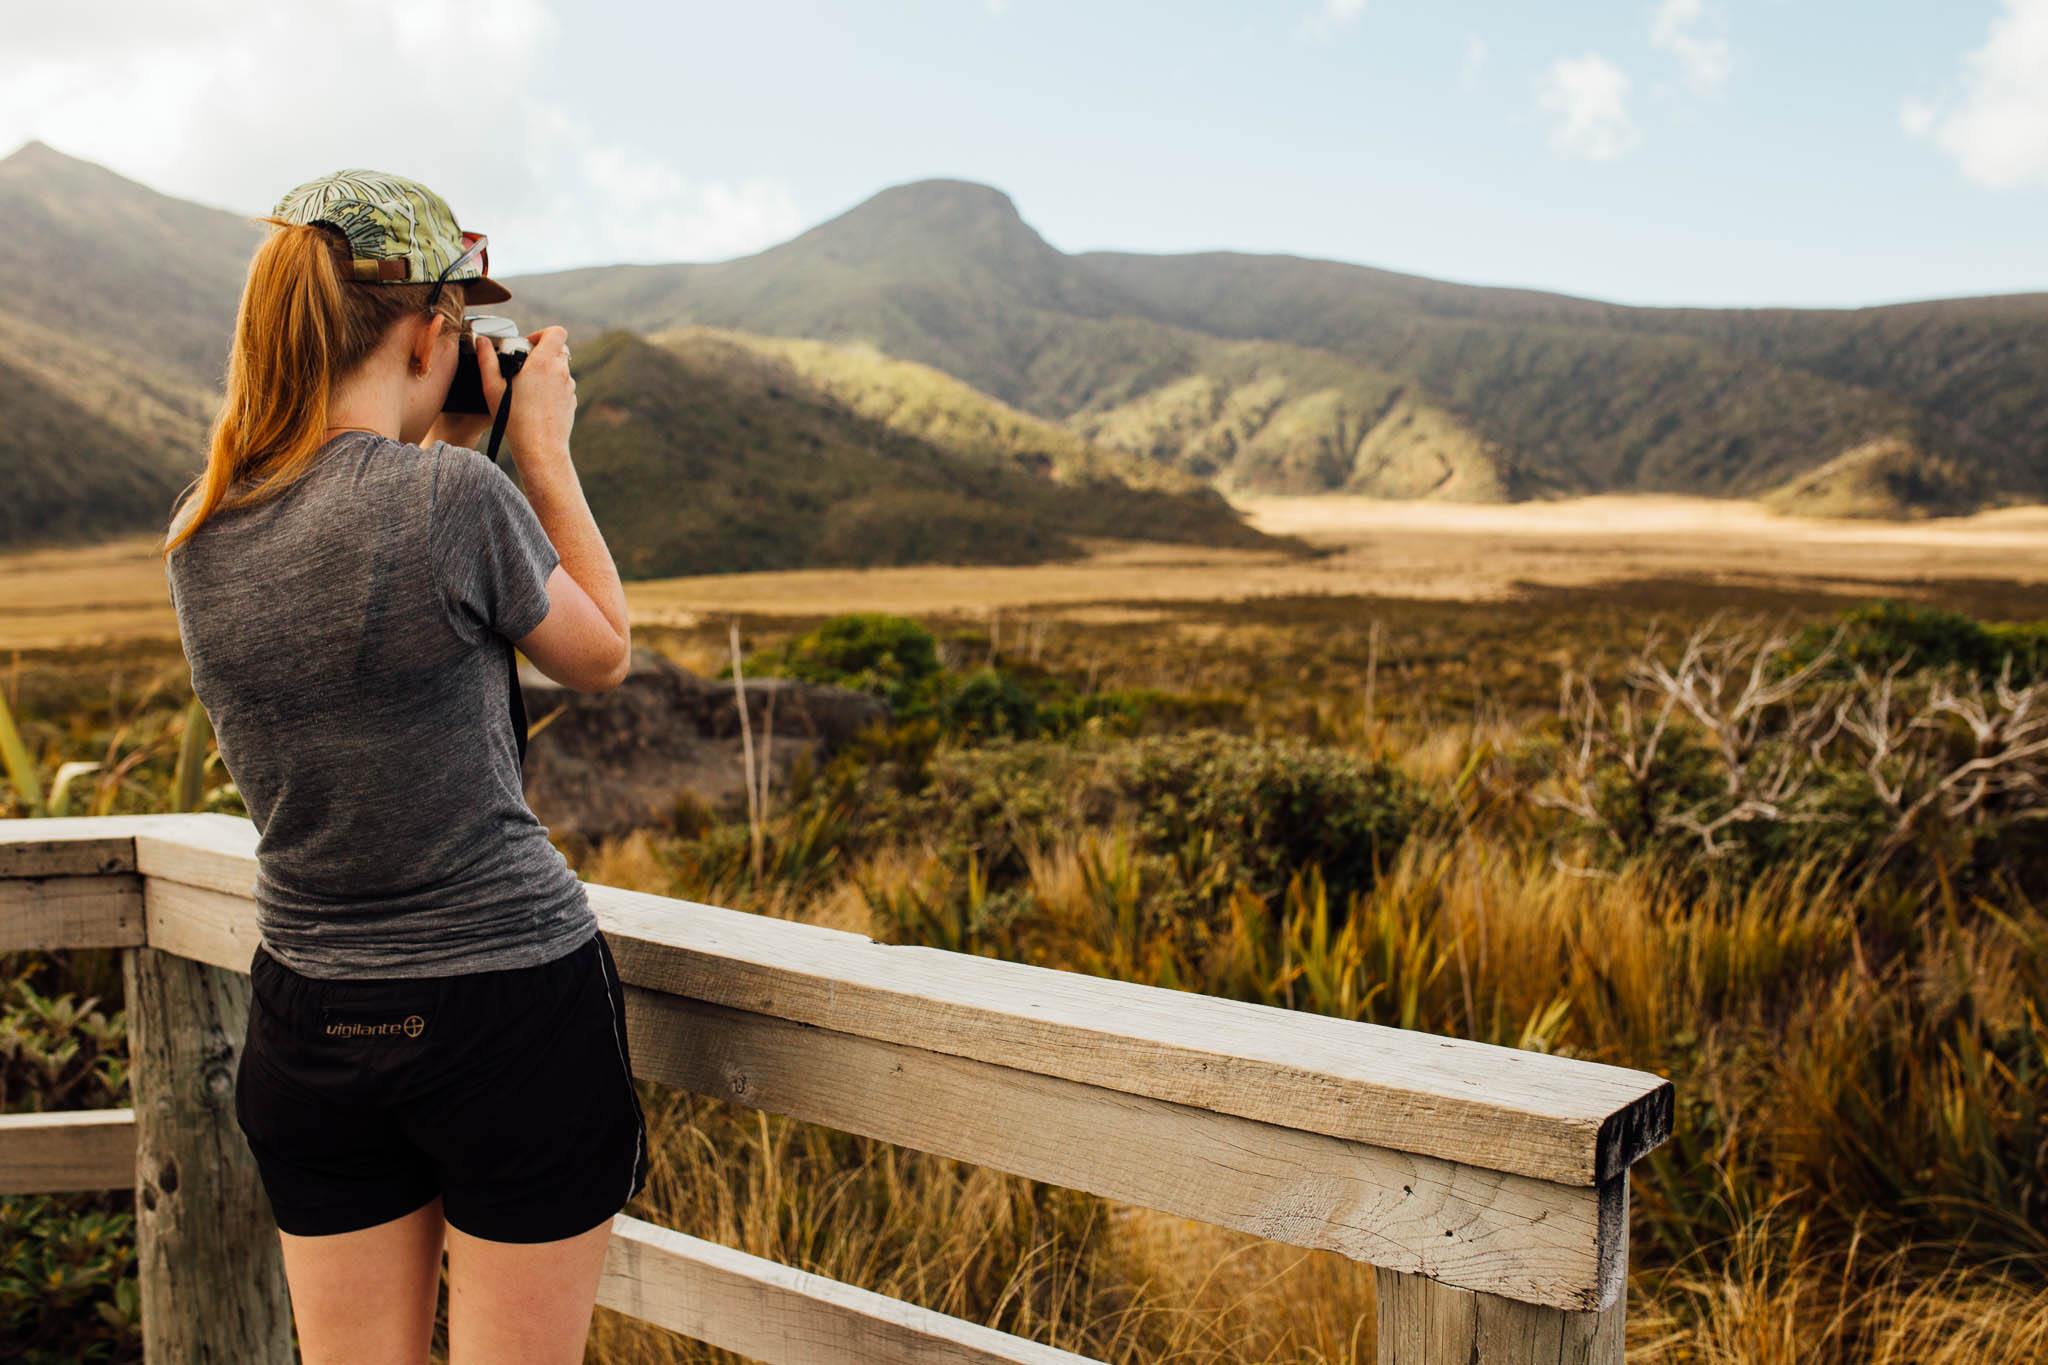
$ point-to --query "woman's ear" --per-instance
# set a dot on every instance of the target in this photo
(426, 336)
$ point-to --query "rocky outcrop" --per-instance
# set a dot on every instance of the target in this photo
(609, 762)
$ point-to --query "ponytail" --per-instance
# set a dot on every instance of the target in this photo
(300, 327)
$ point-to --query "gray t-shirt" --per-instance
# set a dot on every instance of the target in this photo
(344, 638)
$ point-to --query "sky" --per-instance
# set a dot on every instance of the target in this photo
(1719, 152)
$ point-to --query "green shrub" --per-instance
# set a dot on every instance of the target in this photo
(1212, 811)
(989, 703)
(68, 1291)
(1271, 809)
(67, 1261)
(1140, 710)
(889, 656)
(1880, 635)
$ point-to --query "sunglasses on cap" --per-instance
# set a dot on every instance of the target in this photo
(476, 247)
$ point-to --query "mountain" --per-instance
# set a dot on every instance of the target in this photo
(707, 455)
(116, 304)
(920, 401)
(933, 313)
(149, 279)
(1719, 401)
(1493, 392)
(88, 442)
(115, 308)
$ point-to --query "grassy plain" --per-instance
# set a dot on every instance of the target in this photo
(1859, 1043)
(104, 594)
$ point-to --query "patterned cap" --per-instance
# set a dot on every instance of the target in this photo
(399, 231)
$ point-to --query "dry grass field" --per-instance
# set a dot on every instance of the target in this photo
(113, 593)
(1857, 1025)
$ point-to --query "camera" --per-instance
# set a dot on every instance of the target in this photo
(466, 392)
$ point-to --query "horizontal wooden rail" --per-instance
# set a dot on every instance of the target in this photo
(765, 1310)
(1452, 1166)
(1563, 1246)
(88, 1149)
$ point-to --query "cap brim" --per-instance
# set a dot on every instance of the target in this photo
(483, 290)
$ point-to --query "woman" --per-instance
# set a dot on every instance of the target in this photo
(436, 1051)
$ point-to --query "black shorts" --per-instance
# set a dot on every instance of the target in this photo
(509, 1094)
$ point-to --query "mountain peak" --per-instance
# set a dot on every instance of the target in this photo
(32, 150)
(43, 168)
(966, 198)
(932, 222)
(36, 155)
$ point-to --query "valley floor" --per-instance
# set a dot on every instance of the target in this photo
(115, 592)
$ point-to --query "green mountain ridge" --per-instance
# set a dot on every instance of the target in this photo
(933, 311)
(1555, 394)
(110, 360)
(706, 455)
(921, 401)
(163, 278)
(87, 440)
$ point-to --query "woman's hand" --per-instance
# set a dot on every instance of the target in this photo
(544, 398)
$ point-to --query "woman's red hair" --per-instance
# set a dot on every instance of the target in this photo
(302, 325)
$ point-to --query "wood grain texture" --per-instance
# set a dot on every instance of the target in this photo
(83, 1149)
(214, 852)
(1559, 1245)
(1525, 1113)
(99, 911)
(208, 926)
(777, 1314)
(208, 1258)
(1423, 1322)
(1552, 1118)
(24, 853)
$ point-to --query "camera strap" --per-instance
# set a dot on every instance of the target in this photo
(498, 422)
(518, 698)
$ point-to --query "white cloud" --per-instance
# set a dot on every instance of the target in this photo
(1998, 132)
(1588, 99)
(232, 102)
(1705, 60)
(1475, 60)
(1327, 17)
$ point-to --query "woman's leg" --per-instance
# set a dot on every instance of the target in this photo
(522, 1303)
(368, 1297)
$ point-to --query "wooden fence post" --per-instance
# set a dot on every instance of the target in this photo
(1422, 1322)
(212, 1272)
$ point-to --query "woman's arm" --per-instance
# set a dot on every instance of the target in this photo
(537, 434)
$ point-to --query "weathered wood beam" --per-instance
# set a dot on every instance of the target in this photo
(209, 1260)
(204, 926)
(1525, 1113)
(771, 1312)
(1559, 1245)
(1423, 1322)
(90, 911)
(78, 1149)
(85, 848)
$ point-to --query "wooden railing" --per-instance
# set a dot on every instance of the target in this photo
(1487, 1186)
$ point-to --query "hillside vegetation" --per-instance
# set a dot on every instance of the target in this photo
(1812, 895)
(724, 456)
(707, 457)
(1888, 479)
(917, 400)
(88, 442)
(1549, 392)
(936, 311)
